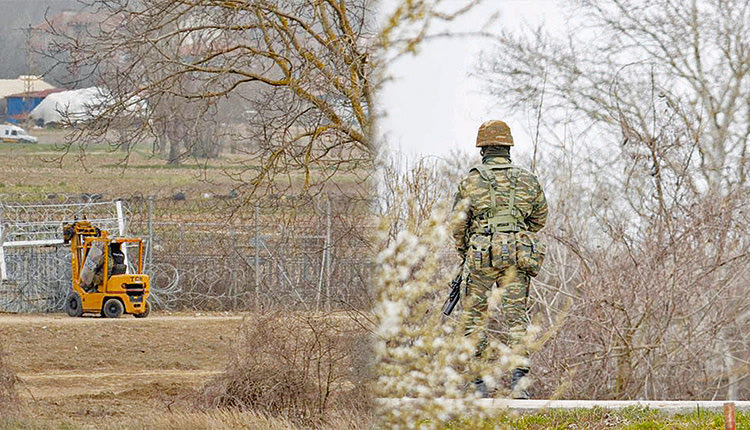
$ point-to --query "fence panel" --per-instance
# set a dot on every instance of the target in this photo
(309, 255)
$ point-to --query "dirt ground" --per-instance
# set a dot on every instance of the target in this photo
(94, 372)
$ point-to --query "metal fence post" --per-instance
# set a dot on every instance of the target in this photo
(182, 239)
(3, 267)
(120, 218)
(256, 219)
(232, 269)
(729, 417)
(150, 243)
(122, 229)
(323, 257)
(327, 253)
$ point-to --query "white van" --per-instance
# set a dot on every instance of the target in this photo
(15, 134)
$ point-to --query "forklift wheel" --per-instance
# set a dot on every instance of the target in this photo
(145, 312)
(112, 308)
(73, 305)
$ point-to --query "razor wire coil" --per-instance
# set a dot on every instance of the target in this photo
(244, 264)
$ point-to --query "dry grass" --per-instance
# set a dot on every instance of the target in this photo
(217, 420)
(233, 419)
(8, 380)
(302, 368)
(208, 420)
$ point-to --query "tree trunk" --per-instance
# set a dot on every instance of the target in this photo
(174, 152)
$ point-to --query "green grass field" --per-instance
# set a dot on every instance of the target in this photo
(35, 172)
(599, 418)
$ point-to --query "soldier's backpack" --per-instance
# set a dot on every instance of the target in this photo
(506, 241)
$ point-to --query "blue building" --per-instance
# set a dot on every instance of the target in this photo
(19, 105)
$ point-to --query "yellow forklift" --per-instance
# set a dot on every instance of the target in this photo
(100, 282)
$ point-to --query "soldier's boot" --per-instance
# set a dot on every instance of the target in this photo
(517, 390)
(481, 388)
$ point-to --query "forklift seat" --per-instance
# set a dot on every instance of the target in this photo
(118, 266)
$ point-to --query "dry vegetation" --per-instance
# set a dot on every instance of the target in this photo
(306, 368)
(171, 371)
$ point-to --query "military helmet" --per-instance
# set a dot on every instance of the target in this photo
(494, 133)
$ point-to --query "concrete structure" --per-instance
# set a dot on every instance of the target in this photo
(496, 405)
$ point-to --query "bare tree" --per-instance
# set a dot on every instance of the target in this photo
(305, 71)
(650, 265)
(411, 191)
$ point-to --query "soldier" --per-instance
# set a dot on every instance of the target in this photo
(504, 206)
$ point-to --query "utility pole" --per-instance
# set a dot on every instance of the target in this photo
(28, 84)
(30, 76)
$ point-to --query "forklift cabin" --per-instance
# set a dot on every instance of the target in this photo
(100, 280)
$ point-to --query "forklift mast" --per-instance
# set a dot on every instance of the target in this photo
(76, 235)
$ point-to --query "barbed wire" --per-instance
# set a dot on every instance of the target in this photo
(315, 259)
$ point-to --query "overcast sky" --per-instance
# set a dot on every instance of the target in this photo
(432, 105)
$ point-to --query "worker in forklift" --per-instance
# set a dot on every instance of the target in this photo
(117, 264)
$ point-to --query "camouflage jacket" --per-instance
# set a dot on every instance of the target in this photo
(474, 193)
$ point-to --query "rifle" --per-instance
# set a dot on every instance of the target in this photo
(455, 293)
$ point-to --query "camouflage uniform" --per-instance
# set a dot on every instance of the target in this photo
(530, 211)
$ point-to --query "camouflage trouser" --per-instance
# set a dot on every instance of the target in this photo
(506, 322)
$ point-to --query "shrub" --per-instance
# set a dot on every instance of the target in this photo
(299, 368)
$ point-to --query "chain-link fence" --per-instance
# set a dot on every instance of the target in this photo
(311, 254)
